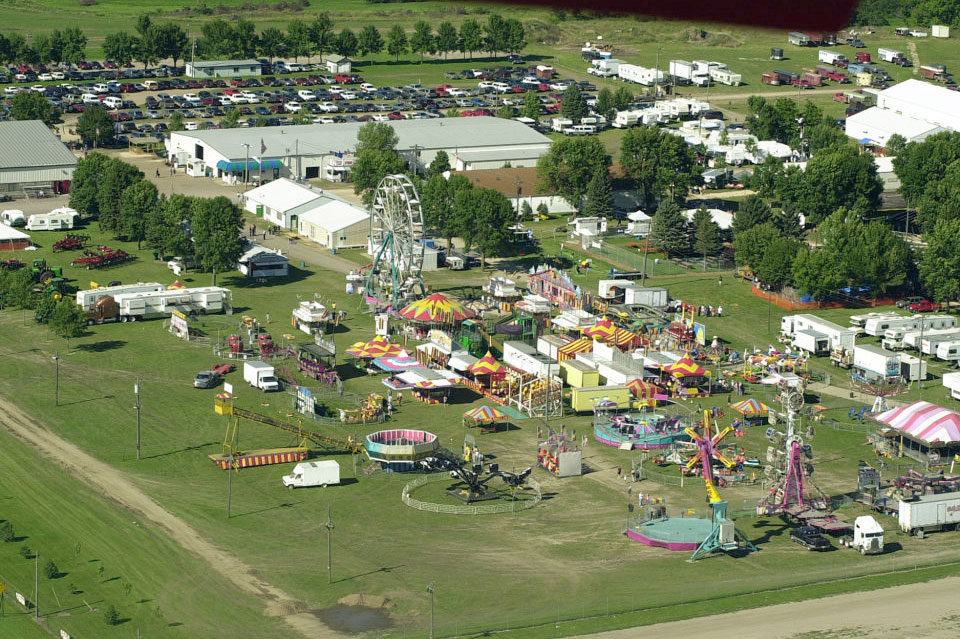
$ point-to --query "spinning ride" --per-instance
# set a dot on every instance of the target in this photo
(396, 242)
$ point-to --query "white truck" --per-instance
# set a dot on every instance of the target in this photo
(87, 298)
(688, 72)
(815, 335)
(867, 536)
(875, 361)
(605, 67)
(832, 57)
(316, 473)
(260, 375)
(929, 513)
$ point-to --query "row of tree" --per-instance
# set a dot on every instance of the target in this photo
(151, 43)
(883, 12)
(57, 46)
(124, 203)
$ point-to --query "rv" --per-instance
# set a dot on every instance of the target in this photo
(876, 326)
(948, 351)
(952, 382)
(626, 119)
(859, 320)
(207, 299)
(893, 339)
(815, 335)
(911, 338)
(56, 220)
(13, 217)
(87, 298)
(928, 345)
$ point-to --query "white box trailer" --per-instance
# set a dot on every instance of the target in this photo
(928, 345)
(640, 75)
(929, 513)
(876, 360)
(56, 220)
(839, 337)
(812, 341)
(726, 76)
(831, 57)
(655, 297)
(940, 31)
(207, 299)
(888, 55)
(86, 299)
(526, 358)
(952, 382)
(549, 345)
(937, 322)
(948, 351)
(876, 326)
(912, 369)
(911, 338)
(316, 473)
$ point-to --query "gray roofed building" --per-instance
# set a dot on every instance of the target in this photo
(222, 68)
(33, 159)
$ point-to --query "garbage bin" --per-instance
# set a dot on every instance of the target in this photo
(156, 256)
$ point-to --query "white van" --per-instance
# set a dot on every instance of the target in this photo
(90, 98)
(112, 102)
(307, 95)
(100, 87)
(13, 217)
(150, 85)
(580, 129)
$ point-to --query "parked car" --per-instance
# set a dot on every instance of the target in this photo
(206, 379)
(923, 306)
(810, 538)
(224, 368)
(907, 301)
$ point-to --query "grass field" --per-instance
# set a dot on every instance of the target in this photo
(568, 550)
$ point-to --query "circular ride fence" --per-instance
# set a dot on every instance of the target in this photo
(466, 509)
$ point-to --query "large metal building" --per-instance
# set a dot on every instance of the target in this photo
(326, 150)
(912, 108)
(33, 160)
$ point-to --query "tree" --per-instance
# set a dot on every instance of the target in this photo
(320, 33)
(230, 119)
(526, 210)
(441, 163)
(6, 531)
(516, 40)
(939, 267)
(531, 105)
(216, 38)
(45, 308)
(753, 211)
(896, 143)
(143, 24)
(816, 273)
(176, 122)
(669, 230)
(172, 42)
(75, 44)
(573, 106)
(370, 41)
(888, 258)
(824, 136)
(376, 136)
(787, 221)
(136, 209)
(298, 39)
(167, 223)
(496, 34)
(598, 200)
(50, 570)
(506, 112)
(346, 43)
(471, 37)
(86, 177)
(215, 223)
(622, 99)
(68, 319)
(110, 615)
(941, 198)
(483, 220)
(371, 166)
(569, 166)
(839, 177)
(120, 46)
(437, 198)
(446, 38)
(542, 210)
(706, 234)
(751, 245)
(116, 177)
(396, 42)
(658, 162)
(148, 46)
(95, 126)
(244, 39)
(605, 105)
(776, 266)
(273, 43)
(31, 105)
(422, 40)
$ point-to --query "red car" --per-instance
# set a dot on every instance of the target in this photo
(223, 369)
(923, 306)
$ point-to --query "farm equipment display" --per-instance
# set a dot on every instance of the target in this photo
(43, 273)
(70, 242)
(11, 265)
(104, 256)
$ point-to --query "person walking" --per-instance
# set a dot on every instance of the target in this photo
(619, 471)
(158, 173)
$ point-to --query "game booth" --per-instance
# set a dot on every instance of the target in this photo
(488, 378)
(487, 418)
(606, 331)
(686, 378)
(556, 286)
(559, 454)
(753, 412)
(428, 385)
(379, 346)
(435, 309)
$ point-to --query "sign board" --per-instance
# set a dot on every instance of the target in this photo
(178, 325)
(179, 314)
(440, 338)
(228, 388)
(21, 599)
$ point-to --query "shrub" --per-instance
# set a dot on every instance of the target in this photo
(6, 531)
(50, 570)
(110, 616)
(87, 3)
(25, 552)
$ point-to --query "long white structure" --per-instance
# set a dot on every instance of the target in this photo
(144, 305)
(912, 108)
(87, 298)
(640, 75)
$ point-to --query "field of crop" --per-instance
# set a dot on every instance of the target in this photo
(568, 551)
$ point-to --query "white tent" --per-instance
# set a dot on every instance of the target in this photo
(639, 224)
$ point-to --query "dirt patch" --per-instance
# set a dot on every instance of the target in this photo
(366, 601)
(355, 619)
(285, 608)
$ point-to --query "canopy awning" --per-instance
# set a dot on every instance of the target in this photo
(924, 421)
(751, 408)
(686, 367)
(570, 350)
(485, 414)
(252, 165)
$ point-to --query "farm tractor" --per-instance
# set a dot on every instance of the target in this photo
(48, 279)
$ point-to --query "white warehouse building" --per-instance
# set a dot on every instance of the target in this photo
(912, 108)
(320, 150)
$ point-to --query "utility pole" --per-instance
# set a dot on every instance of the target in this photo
(430, 590)
(56, 359)
(246, 163)
(36, 585)
(229, 481)
(329, 526)
(769, 309)
(136, 391)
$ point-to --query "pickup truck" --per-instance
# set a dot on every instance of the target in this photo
(810, 538)
(923, 306)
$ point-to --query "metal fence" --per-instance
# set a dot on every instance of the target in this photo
(466, 509)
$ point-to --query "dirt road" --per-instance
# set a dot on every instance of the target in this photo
(114, 485)
(928, 610)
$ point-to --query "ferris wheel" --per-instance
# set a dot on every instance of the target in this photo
(396, 242)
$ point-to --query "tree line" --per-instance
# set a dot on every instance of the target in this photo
(883, 12)
(124, 203)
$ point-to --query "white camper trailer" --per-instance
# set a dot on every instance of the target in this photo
(952, 382)
(948, 351)
(207, 299)
(86, 299)
(56, 220)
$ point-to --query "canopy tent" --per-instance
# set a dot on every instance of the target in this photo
(570, 349)
(379, 346)
(925, 422)
(686, 367)
(642, 389)
(751, 408)
(400, 362)
(484, 414)
(605, 330)
(486, 365)
(436, 308)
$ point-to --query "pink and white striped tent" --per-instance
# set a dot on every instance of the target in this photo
(925, 422)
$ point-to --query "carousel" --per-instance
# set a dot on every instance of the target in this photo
(644, 430)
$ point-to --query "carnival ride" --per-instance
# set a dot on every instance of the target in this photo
(401, 449)
(397, 243)
(646, 430)
(724, 535)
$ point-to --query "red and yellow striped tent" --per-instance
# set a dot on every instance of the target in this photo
(570, 349)
(642, 389)
(686, 367)
(379, 346)
(485, 414)
(751, 408)
(606, 331)
(486, 365)
(436, 308)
